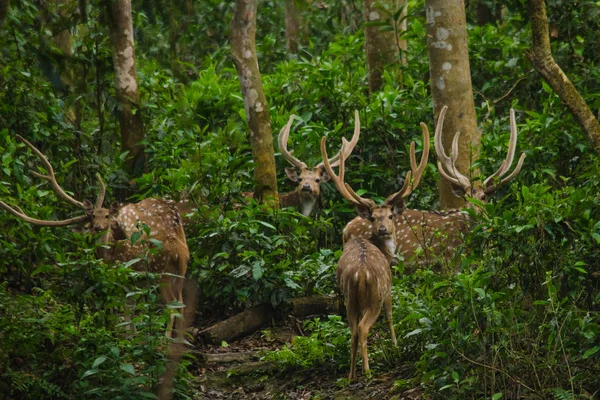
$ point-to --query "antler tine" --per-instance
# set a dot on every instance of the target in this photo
(335, 160)
(509, 178)
(512, 146)
(449, 163)
(100, 198)
(282, 140)
(417, 172)
(42, 222)
(344, 189)
(50, 177)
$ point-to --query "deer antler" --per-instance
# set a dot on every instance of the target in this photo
(506, 164)
(42, 222)
(100, 198)
(335, 160)
(283, 137)
(50, 177)
(447, 165)
(417, 171)
(282, 140)
(344, 189)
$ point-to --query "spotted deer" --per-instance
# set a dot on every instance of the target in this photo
(432, 237)
(309, 180)
(115, 226)
(363, 272)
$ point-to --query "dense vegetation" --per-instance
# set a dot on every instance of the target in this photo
(520, 317)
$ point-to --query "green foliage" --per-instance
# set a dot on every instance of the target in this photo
(327, 344)
(518, 319)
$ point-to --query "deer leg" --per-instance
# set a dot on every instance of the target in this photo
(353, 323)
(166, 292)
(368, 319)
(388, 317)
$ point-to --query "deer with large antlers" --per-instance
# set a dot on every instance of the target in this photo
(431, 237)
(309, 180)
(363, 272)
(117, 224)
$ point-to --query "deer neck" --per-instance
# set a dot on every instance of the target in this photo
(307, 203)
(387, 245)
(106, 242)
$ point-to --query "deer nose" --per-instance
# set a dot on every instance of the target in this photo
(306, 187)
(383, 230)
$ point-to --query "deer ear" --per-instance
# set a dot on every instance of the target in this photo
(324, 176)
(292, 173)
(398, 207)
(88, 207)
(457, 190)
(114, 208)
(363, 211)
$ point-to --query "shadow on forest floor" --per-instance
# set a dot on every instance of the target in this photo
(236, 372)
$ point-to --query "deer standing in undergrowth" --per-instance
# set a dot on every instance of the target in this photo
(115, 227)
(309, 180)
(432, 237)
(364, 273)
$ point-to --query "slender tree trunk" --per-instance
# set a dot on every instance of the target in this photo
(126, 86)
(3, 11)
(243, 32)
(381, 47)
(540, 56)
(451, 85)
(293, 22)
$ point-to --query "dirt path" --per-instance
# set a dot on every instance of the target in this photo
(237, 372)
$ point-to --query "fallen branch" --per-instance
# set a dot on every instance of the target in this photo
(253, 319)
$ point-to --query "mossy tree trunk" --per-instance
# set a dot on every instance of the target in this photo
(293, 22)
(451, 85)
(243, 43)
(540, 55)
(3, 11)
(381, 46)
(126, 86)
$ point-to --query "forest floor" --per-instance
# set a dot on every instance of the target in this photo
(236, 372)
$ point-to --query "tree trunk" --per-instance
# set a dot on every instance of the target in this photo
(3, 11)
(292, 27)
(381, 47)
(243, 32)
(451, 85)
(126, 86)
(540, 56)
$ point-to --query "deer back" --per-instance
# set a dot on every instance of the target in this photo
(364, 276)
(422, 238)
(166, 226)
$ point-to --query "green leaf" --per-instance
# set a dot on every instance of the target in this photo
(128, 368)
(89, 372)
(257, 271)
(497, 396)
(412, 333)
(480, 291)
(455, 376)
(135, 237)
(590, 352)
(98, 361)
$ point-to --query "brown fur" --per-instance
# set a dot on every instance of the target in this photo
(165, 223)
(423, 238)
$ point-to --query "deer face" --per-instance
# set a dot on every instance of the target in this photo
(102, 219)
(477, 193)
(309, 180)
(381, 218)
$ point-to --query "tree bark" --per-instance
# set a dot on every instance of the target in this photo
(243, 32)
(126, 86)
(381, 47)
(540, 55)
(3, 11)
(292, 27)
(451, 85)
(251, 320)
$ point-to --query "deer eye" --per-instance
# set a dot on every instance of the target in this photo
(372, 219)
(317, 180)
(391, 216)
(108, 216)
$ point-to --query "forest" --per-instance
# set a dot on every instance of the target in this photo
(300, 199)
